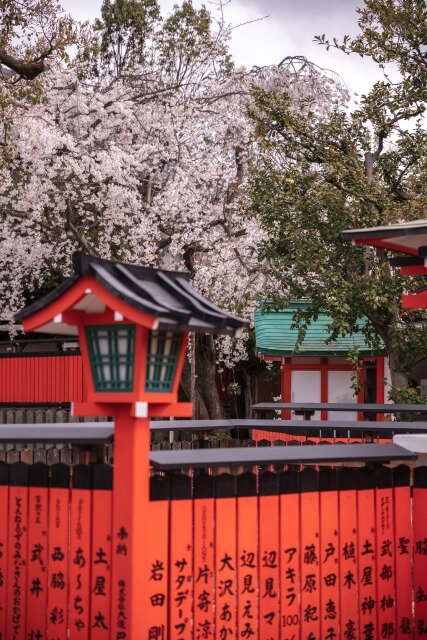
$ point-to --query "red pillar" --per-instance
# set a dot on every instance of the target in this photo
(133, 526)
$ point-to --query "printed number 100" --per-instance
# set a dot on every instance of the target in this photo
(290, 620)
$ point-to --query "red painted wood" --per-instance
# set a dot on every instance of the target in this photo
(203, 611)
(385, 555)
(4, 554)
(290, 550)
(324, 391)
(37, 587)
(225, 568)
(269, 567)
(181, 564)
(403, 555)
(380, 381)
(57, 602)
(247, 572)
(366, 554)
(347, 531)
(329, 558)
(310, 555)
(50, 379)
(81, 618)
(17, 563)
(286, 386)
(420, 552)
(102, 507)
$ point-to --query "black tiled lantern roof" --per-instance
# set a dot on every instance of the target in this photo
(165, 295)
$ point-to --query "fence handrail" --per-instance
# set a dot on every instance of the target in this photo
(283, 426)
(70, 432)
(242, 456)
(102, 432)
(340, 406)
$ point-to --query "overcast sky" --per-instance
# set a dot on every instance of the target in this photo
(289, 30)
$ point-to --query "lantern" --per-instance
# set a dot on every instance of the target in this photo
(133, 326)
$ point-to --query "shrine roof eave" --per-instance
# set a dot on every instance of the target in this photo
(407, 237)
(153, 297)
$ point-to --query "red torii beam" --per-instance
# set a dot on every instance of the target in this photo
(409, 238)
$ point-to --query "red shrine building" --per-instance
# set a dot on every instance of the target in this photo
(317, 370)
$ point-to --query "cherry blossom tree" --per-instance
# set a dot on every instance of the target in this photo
(148, 166)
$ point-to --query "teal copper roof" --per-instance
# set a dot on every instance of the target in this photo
(274, 336)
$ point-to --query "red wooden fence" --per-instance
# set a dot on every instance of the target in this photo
(287, 555)
(41, 378)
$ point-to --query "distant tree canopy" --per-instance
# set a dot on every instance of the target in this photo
(319, 174)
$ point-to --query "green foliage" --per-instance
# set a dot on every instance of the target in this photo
(125, 29)
(406, 395)
(323, 171)
(186, 39)
(132, 32)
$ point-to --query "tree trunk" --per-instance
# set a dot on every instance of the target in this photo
(206, 398)
(199, 408)
(206, 376)
(247, 392)
(399, 379)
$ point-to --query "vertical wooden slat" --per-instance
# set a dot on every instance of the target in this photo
(403, 555)
(181, 558)
(38, 527)
(329, 554)
(347, 529)
(157, 541)
(101, 549)
(59, 521)
(29, 386)
(18, 559)
(38, 377)
(57, 375)
(420, 551)
(203, 567)
(82, 620)
(247, 554)
(290, 553)
(385, 544)
(268, 558)
(4, 546)
(48, 390)
(225, 557)
(310, 552)
(46, 378)
(7, 377)
(19, 378)
(366, 552)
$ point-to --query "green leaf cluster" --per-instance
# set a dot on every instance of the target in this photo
(324, 170)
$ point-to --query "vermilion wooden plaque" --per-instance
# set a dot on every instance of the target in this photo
(269, 555)
(58, 545)
(290, 554)
(225, 556)
(347, 530)
(247, 556)
(38, 531)
(181, 558)
(310, 553)
(203, 560)
(81, 618)
(101, 551)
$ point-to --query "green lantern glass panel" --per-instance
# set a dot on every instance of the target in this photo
(112, 356)
(163, 350)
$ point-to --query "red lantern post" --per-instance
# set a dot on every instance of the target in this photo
(133, 325)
